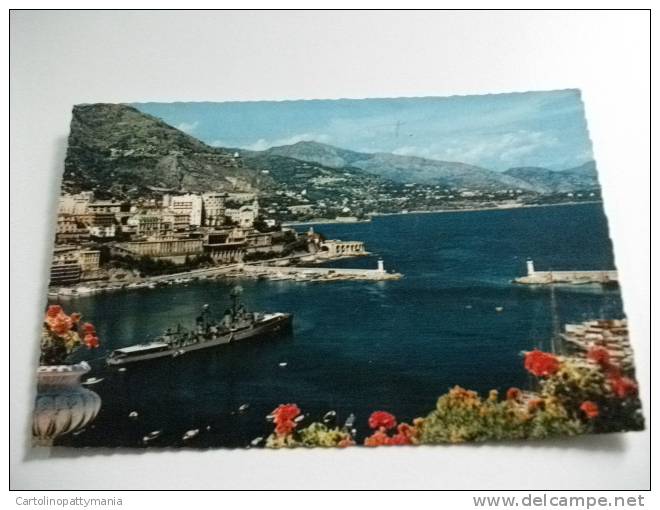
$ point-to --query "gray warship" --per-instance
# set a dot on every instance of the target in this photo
(237, 324)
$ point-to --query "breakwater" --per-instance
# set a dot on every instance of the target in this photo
(570, 277)
(323, 274)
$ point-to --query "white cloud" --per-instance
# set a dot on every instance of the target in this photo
(503, 149)
(187, 127)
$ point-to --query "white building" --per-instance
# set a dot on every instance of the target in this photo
(145, 224)
(89, 260)
(101, 231)
(178, 222)
(187, 204)
(213, 208)
(337, 248)
(75, 204)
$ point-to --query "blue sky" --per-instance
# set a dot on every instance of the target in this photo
(497, 131)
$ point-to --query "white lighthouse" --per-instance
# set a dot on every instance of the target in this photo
(381, 266)
(530, 267)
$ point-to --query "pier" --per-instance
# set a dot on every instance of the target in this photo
(567, 277)
(317, 274)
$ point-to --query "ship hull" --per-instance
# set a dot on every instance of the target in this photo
(273, 326)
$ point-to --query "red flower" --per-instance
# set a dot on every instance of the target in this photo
(286, 412)
(61, 324)
(590, 409)
(53, 311)
(407, 430)
(599, 355)
(398, 440)
(405, 434)
(91, 341)
(541, 364)
(513, 394)
(284, 417)
(88, 328)
(378, 438)
(383, 419)
(345, 442)
(623, 386)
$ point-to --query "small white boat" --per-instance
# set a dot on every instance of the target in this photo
(299, 418)
(330, 415)
(243, 408)
(121, 369)
(83, 291)
(190, 434)
(499, 308)
(283, 364)
(133, 415)
(151, 436)
(92, 380)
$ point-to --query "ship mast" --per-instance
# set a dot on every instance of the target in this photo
(235, 299)
(555, 341)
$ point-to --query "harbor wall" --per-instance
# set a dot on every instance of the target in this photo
(369, 274)
(541, 277)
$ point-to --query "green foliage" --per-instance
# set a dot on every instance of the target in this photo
(315, 434)
(575, 382)
(261, 226)
(578, 381)
(149, 266)
(462, 415)
(318, 434)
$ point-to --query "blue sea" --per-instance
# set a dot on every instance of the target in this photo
(355, 347)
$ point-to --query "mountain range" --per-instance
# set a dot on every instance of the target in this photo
(447, 173)
(116, 149)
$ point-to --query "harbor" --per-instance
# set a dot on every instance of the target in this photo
(453, 318)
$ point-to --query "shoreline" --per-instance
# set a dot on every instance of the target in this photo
(522, 206)
(84, 289)
(90, 288)
(323, 221)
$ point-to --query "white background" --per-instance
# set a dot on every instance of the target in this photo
(59, 59)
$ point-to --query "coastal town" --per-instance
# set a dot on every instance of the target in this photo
(110, 244)
(325, 199)
(169, 237)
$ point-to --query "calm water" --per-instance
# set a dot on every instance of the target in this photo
(356, 346)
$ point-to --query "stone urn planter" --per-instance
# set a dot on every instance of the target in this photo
(62, 404)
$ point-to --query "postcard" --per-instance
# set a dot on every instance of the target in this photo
(332, 273)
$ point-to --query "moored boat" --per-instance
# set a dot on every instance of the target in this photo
(237, 324)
